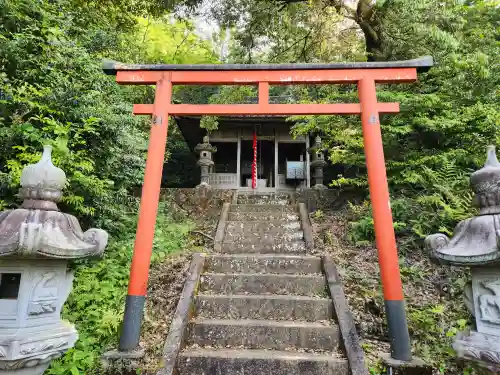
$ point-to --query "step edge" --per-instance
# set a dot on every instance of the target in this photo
(225, 353)
(301, 241)
(270, 206)
(265, 296)
(264, 256)
(264, 323)
(260, 221)
(285, 275)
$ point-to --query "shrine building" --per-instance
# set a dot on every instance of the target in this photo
(283, 162)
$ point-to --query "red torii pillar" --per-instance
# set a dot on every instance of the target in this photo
(364, 74)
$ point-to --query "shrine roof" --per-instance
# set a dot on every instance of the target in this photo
(421, 64)
(192, 133)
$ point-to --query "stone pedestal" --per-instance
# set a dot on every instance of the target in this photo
(476, 244)
(31, 298)
(36, 244)
(483, 343)
(414, 367)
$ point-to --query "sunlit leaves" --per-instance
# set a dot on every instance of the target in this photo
(53, 91)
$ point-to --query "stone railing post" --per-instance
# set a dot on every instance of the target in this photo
(36, 243)
(476, 244)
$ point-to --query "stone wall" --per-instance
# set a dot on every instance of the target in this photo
(208, 201)
(324, 199)
(197, 201)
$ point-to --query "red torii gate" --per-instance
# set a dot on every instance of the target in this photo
(364, 74)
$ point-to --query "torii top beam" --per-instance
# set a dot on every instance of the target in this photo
(384, 71)
(263, 75)
(422, 64)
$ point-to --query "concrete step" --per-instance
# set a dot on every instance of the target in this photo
(267, 263)
(242, 283)
(270, 226)
(263, 216)
(196, 361)
(275, 307)
(292, 247)
(271, 198)
(263, 208)
(264, 334)
(281, 202)
(277, 235)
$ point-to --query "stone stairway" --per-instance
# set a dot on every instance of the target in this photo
(262, 306)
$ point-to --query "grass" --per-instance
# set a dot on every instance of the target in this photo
(96, 302)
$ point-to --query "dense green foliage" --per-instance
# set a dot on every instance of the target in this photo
(97, 300)
(446, 119)
(52, 90)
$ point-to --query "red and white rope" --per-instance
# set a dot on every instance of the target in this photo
(254, 164)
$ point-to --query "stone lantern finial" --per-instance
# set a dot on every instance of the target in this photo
(475, 240)
(36, 243)
(486, 184)
(317, 141)
(491, 157)
(42, 183)
(476, 244)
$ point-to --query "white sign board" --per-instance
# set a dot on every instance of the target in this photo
(295, 170)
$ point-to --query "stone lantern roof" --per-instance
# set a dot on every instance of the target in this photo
(38, 228)
(205, 146)
(317, 147)
(206, 150)
(475, 241)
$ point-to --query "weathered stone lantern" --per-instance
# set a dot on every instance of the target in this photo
(318, 163)
(205, 162)
(476, 244)
(36, 243)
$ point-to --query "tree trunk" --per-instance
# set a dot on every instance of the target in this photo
(371, 27)
(365, 16)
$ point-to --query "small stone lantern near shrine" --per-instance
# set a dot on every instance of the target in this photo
(318, 163)
(476, 244)
(36, 243)
(205, 162)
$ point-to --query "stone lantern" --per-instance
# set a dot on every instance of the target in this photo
(36, 243)
(205, 162)
(476, 244)
(318, 162)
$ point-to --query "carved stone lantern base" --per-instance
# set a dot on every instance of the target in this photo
(31, 332)
(32, 349)
(483, 344)
(36, 370)
(479, 347)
